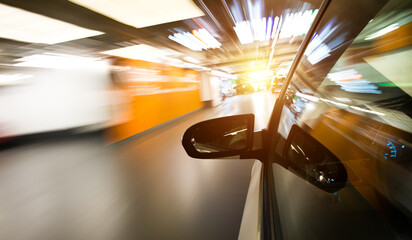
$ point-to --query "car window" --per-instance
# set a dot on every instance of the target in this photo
(352, 92)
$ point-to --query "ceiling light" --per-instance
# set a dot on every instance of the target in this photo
(138, 52)
(275, 37)
(269, 26)
(198, 41)
(276, 27)
(244, 32)
(143, 13)
(24, 26)
(188, 40)
(264, 29)
(259, 29)
(207, 38)
(297, 24)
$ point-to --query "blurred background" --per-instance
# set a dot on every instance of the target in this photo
(88, 65)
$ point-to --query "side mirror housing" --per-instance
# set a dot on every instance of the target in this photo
(312, 161)
(220, 137)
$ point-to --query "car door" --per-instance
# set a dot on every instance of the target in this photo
(351, 91)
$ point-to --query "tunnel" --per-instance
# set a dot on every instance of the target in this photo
(205, 119)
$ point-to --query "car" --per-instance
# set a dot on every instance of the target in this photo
(335, 159)
(244, 88)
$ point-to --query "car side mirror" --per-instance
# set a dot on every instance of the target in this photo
(313, 161)
(220, 137)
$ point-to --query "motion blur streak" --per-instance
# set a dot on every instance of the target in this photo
(95, 96)
(75, 186)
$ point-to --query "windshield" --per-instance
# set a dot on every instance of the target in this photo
(352, 92)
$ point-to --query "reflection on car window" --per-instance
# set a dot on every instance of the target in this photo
(220, 137)
(352, 92)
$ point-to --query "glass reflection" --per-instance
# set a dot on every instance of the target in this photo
(313, 162)
(355, 99)
(217, 137)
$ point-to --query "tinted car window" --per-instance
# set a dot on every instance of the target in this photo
(352, 92)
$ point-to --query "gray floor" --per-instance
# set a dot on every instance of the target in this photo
(142, 188)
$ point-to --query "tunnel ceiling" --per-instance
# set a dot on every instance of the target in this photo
(219, 19)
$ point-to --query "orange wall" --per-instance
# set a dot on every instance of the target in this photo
(158, 93)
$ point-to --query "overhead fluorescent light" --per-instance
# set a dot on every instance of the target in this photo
(143, 13)
(24, 26)
(138, 52)
(198, 41)
(264, 29)
(269, 26)
(244, 32)
(297, 24)
(207, 38)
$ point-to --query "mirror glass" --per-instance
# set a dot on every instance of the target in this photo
(314, 162)
(220, 135)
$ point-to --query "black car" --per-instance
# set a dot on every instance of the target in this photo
(335, 159)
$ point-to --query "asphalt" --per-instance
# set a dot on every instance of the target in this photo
(145, 187)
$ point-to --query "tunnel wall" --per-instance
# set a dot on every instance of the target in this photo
(152, 94)
(54, 99)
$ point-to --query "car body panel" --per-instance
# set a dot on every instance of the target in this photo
(250, 228)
